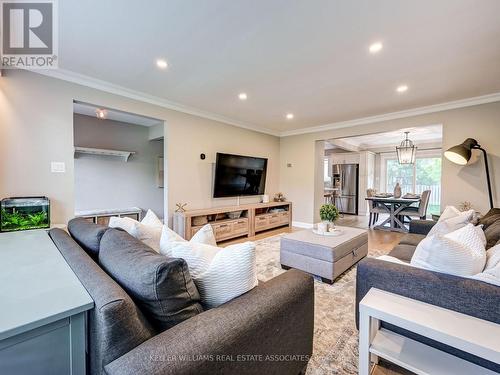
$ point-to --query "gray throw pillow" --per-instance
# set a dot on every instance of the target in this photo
(492, 216)
(161, 287)
(87, 234)
(492, 234)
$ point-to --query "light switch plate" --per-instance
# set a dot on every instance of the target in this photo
(58, 167)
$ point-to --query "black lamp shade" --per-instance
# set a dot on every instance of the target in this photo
(460, 154)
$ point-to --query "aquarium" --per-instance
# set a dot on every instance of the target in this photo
(24, 213)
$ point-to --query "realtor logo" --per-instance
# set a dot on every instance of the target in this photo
(29, 34)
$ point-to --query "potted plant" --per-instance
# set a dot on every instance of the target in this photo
(328, 214)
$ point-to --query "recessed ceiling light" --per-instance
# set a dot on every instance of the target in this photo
(402, 88)
(101, 113)
(376, 47)
(242, 96)
(162, 64)
(289, 116)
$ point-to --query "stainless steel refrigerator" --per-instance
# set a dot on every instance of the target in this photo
(345, 180)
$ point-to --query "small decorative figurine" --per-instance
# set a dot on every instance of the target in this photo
(465, 206)
(180, 207)
(279, 197)
(397, 191)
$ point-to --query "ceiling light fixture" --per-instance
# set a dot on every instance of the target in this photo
(101, 113)
(376, 47)
(402, 88)
(406, 151)
(162, 64)
(289, 116)
(243, 96)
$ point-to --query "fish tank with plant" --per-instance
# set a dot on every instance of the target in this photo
(24, 213)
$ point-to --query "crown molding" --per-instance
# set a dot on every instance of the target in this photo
(484, 99)
(111, 88)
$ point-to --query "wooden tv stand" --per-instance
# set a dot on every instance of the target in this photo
(255, 218)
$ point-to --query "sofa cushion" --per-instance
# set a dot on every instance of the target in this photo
(87, 234)
(411, 239)
(403, 252)
(115, 325)
(162, 287)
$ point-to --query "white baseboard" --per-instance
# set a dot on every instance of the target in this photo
(300, 224)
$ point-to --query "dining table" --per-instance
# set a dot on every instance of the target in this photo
(393, 207)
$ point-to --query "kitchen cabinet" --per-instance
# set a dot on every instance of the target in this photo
(345, 158)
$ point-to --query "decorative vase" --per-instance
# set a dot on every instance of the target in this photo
(323, 227)
(331, 226)
(397, 191)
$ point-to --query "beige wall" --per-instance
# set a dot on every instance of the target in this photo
(36, 127)
(104, 182)
(459, 183)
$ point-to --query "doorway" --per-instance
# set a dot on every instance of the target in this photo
(119, 159)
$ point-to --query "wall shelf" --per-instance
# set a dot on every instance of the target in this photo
(125, 155)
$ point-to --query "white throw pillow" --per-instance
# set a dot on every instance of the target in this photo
(491, 273)
(492, 257)
(168, 235)
(220, 274)
(151, 219)
(168, 238)
(460, 253)
(205, 236)
(150, 235)
(451, 224)
(125, 223)
(449, 212)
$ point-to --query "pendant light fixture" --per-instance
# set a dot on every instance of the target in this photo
(406, 151)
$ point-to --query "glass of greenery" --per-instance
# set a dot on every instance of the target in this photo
(328, 213)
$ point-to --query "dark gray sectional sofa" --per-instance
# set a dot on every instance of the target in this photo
(148, 319)
(468, 296)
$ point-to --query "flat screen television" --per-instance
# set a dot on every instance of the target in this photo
(237, 175)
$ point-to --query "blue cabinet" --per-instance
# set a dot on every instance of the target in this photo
(43, 307)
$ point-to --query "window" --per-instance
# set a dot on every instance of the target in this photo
(425, 174)
(402, 173)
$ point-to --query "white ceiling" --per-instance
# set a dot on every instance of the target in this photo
(306, 57)
(422, 135)
(115, 115)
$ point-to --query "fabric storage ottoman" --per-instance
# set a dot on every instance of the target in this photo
(324, 256)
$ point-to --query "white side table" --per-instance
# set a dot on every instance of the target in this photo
(464, 332)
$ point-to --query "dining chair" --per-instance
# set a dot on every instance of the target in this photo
(328, 198)
(372, 208)
(420, 211)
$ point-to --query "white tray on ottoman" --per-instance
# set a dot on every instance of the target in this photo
(324, 256)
